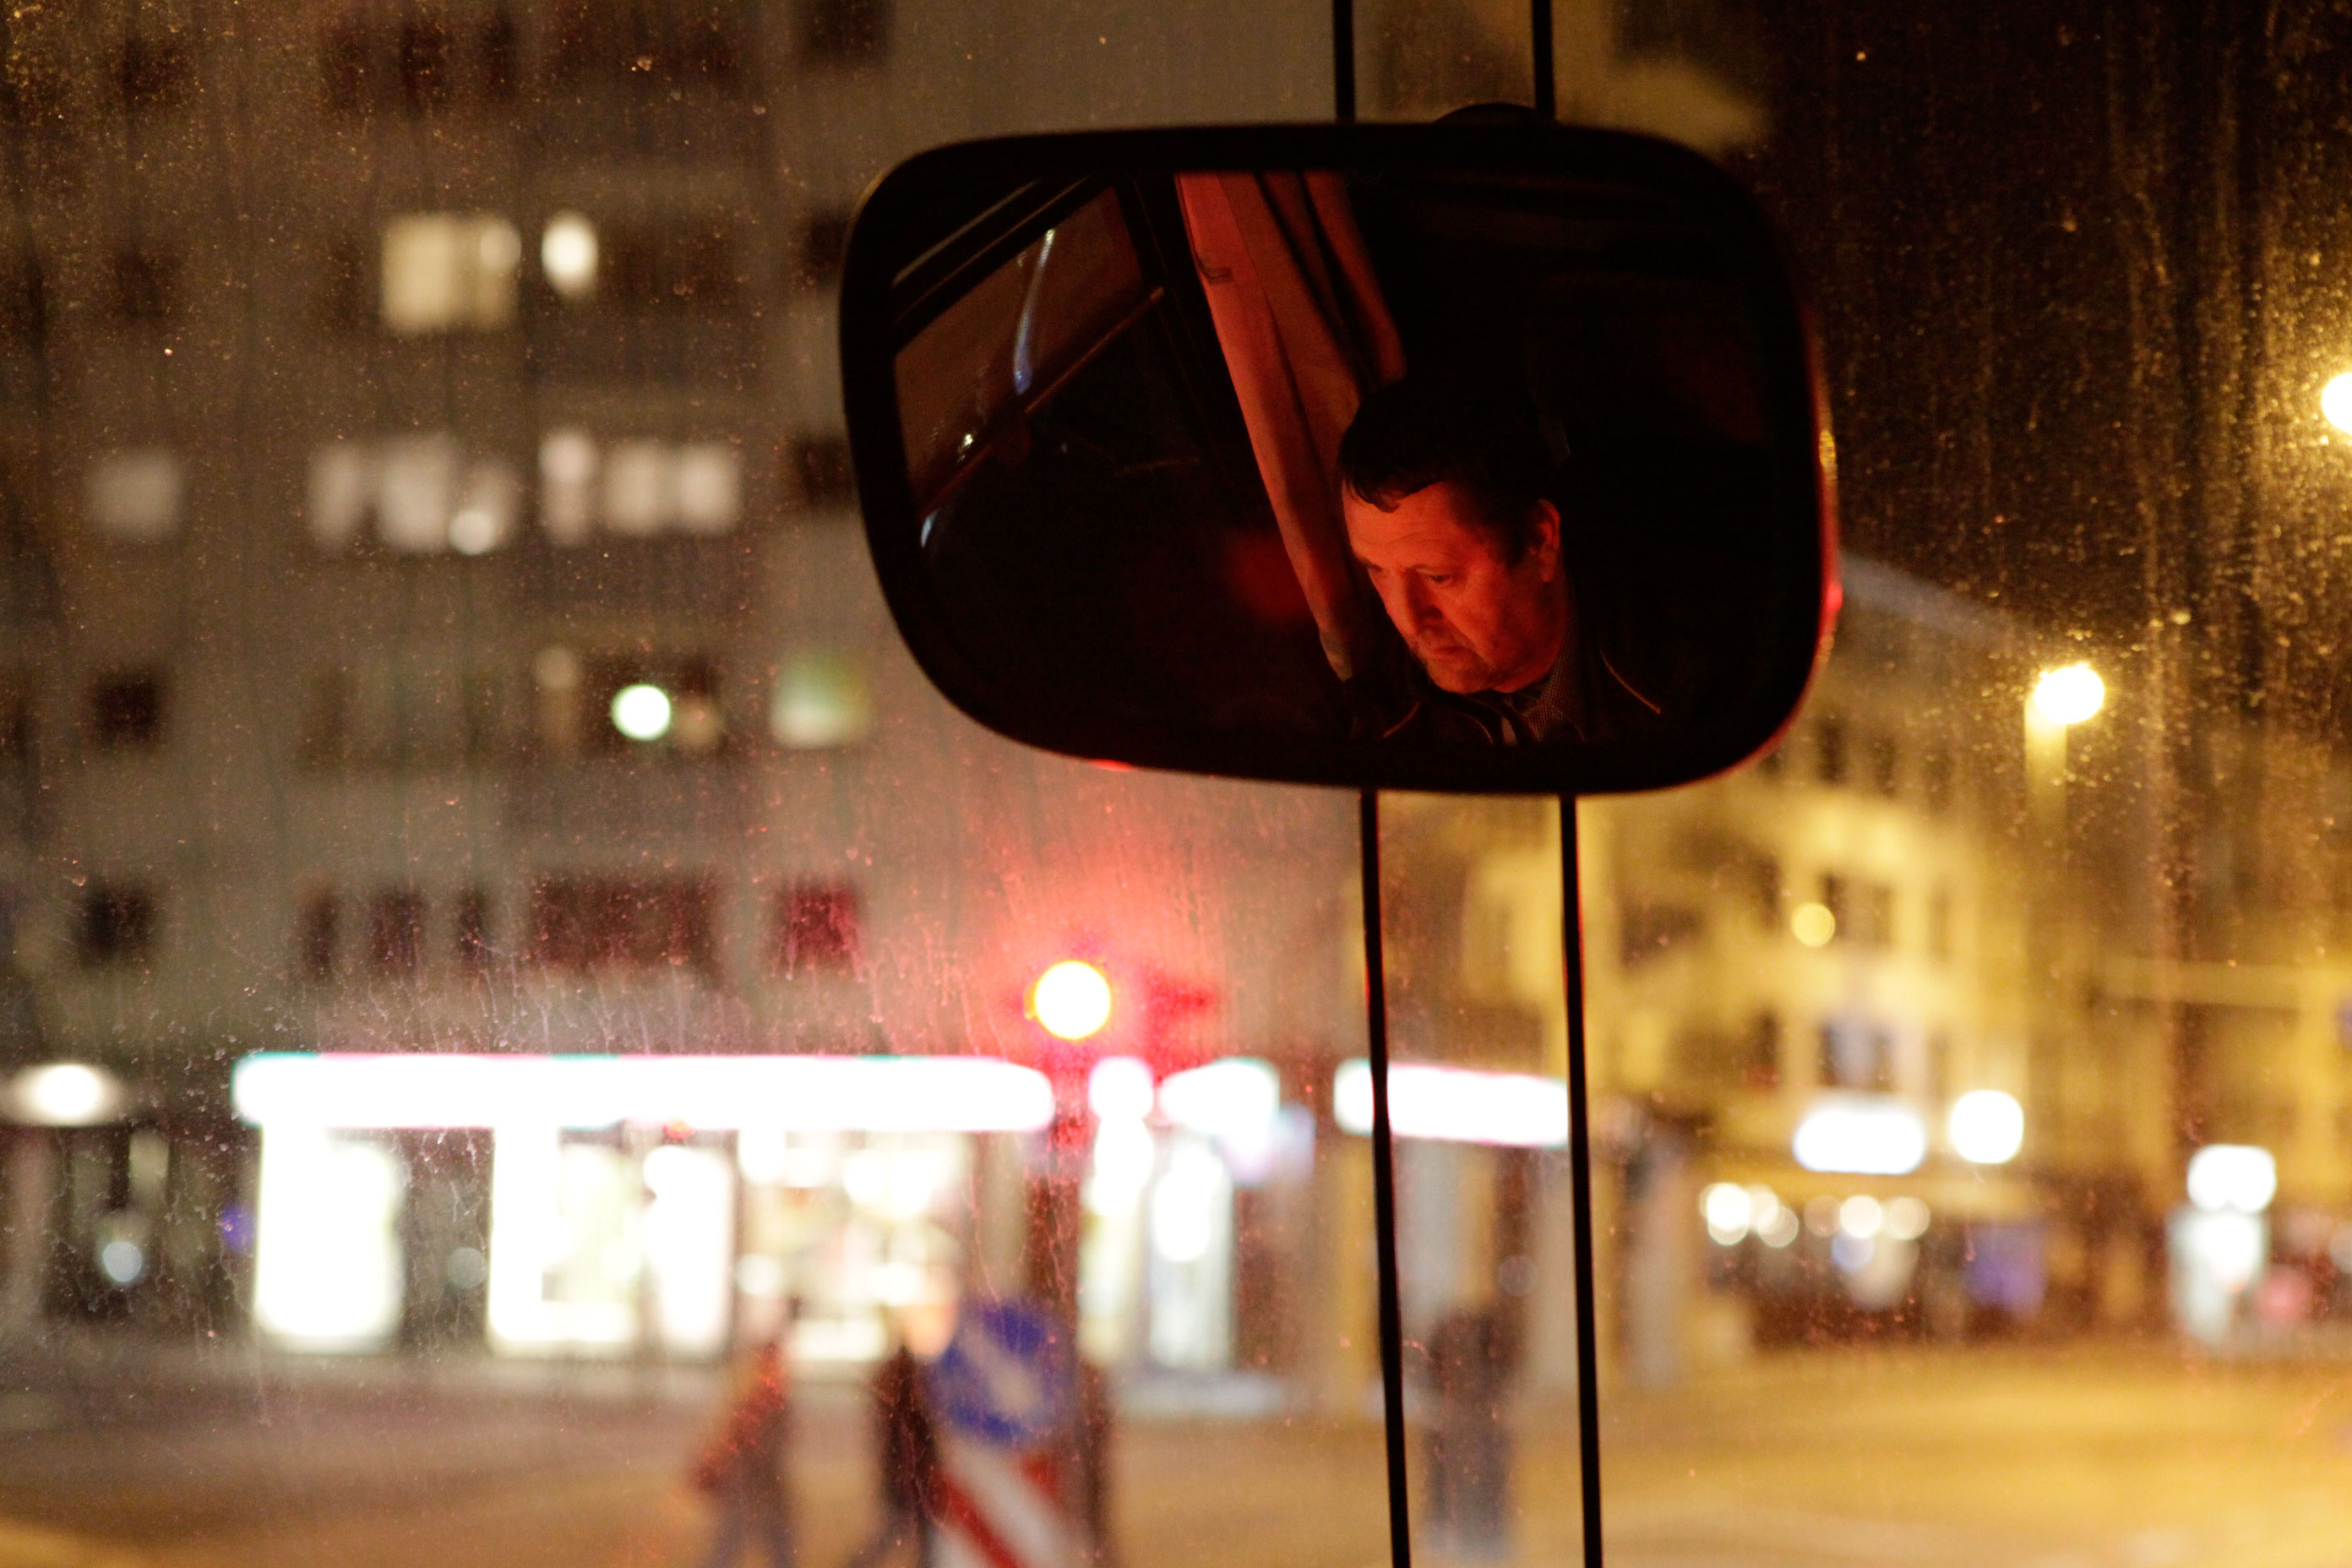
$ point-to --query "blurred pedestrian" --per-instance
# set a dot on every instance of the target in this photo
(1471, 1354)
(742, 1471)
(1094, 1463)
(907, 1460)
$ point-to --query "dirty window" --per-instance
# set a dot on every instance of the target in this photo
(530, 1035)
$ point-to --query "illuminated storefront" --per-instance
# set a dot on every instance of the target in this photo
(614, 1193)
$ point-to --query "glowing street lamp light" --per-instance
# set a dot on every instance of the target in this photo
(2069, 694)
(1072, 1000)
(2335, 402)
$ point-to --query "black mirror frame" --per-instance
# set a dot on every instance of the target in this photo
(889, 232)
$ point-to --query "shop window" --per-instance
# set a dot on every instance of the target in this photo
(135, 494)
(844, 32)
(446, 272)
(395, 932)
(126, 710)
(815, 928)
(588, 923)
(145, 285)
(317, 934)
(151, 72)
(824, 245)
(118, 926)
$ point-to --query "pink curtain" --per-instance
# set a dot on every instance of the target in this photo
(1306, 334)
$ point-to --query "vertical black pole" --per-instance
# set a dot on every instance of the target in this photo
(1343, 60)
(1376, 1029)
(1580, 1170)
(1539, 38)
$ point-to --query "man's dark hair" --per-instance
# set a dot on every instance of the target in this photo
(1438, 429)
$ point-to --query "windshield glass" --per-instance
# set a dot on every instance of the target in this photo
(528, 1034)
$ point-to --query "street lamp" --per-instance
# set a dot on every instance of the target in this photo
(2069, 694)
(2335, 402)
(2062, 699)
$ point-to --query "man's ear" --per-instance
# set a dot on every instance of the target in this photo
(1543, 538)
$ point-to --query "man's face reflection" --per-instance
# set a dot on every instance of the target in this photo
(1476, 620)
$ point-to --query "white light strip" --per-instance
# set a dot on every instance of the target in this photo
(1862, 1136)
(1456, 1105)
(791, 1094)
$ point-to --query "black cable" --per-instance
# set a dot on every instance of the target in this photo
(1343, 60)
(1376, 1030)
(1540, 43)
(1579, 1171)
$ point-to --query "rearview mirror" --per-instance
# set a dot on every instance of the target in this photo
(1460, 458)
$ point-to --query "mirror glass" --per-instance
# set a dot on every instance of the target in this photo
(1303, 462)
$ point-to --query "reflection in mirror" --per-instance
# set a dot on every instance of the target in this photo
(1441, 460)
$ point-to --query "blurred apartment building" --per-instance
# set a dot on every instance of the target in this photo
(1918, 902)
(435, 623)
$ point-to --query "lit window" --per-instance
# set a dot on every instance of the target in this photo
(639, 498)
(821, 699)
(710, 487)
(636, 488)
(567, 255)
(449, 271)
(135, 494)
(422, 493)
(415, 484)
(567, 486)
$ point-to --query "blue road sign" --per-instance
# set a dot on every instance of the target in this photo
(1007, 1376)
